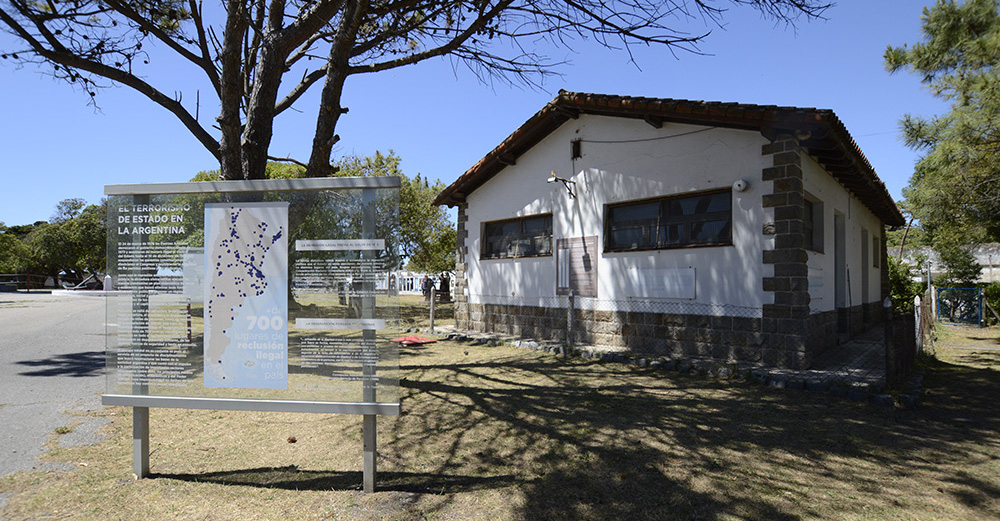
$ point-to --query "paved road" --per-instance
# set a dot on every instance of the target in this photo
(51, 362)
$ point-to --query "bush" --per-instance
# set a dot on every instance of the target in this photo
(902, 287)
(991, 292)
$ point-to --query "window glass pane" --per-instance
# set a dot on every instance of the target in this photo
(710, 231)
(699, 204)
(671, 235)
(500, 239)
(491, 240)
(689, 220)
(509, 241)
(536, 236)
(518, 237)
(634, 226)
(720, 203)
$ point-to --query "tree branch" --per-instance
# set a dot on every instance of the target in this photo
(308, 80)
(441, 50)
(197, 15)
(66, 58)
(204, 64)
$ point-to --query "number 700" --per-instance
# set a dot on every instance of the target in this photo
(264, 322)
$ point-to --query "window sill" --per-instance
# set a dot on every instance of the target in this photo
(515, 258)
(684, 247)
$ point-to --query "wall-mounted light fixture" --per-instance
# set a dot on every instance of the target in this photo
(566, 182)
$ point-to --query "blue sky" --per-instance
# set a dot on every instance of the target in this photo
(440, 120)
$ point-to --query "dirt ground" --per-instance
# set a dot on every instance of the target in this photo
(499, 433)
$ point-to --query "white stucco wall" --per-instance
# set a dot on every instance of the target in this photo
(623, 160)
(857, 218)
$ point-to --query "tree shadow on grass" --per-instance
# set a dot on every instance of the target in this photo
(88, 363)
(995, 341)
(522, 435)
(610, 441)
(417, 312)
(292, 478)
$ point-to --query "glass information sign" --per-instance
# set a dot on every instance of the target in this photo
(268, 295)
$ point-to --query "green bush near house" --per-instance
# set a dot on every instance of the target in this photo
(991, 293)
(902, 287)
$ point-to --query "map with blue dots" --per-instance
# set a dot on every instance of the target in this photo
(246, 295)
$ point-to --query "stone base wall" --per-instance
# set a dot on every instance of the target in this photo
(789, 343)
(822, 332)
(858, 319)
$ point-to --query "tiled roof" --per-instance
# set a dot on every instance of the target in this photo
(820, 133)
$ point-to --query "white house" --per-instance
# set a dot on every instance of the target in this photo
(735, 231)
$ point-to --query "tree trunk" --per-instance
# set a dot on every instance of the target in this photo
(259, 127)
(333, 87)
(230, 92)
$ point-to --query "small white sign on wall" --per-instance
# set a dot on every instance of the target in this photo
(676, 283)
(815, 284)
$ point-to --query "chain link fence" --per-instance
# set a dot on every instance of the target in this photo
(960, 305)
(658, 327)
(629, 305)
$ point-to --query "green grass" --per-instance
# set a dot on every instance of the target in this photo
(507, 434)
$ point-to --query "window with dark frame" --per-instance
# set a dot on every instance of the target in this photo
(702, 219)
(812, 224)
(513, 238)
(875, 252)
(808, 225)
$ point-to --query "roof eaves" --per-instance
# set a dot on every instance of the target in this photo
(770, 120)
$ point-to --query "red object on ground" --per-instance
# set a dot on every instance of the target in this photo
(413, 340)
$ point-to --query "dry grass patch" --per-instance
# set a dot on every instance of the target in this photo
(499, 433)
(969, 346)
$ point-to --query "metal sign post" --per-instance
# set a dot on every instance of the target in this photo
(250, 246)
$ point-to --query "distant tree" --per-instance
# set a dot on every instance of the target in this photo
(74, 241)
(23, 230)
(437, 255)
(89, 230)
(258, 58)
(426, 234)
(960, 264)
(916, 237)
(13, 252)
(955, 188)
(67, 209)
(424, 237)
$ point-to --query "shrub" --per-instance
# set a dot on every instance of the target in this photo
(902, 287)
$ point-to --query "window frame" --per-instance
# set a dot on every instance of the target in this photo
(485, 254)
(813, 224)
(663, 221)
(809, 225)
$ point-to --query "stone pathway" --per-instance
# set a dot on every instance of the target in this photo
(860, 360)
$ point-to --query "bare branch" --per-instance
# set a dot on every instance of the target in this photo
(307, 81)
(68, 59)
(251, 48)
(171, 41)
(197, 15)
(452, 45)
